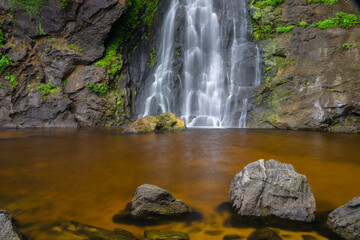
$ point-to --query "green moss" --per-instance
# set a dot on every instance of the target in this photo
(98, 88)
(152, 59)
(74, 47)
(284, 29)
(12, 79)
(2, 38)
(32, 7)
(47, 89)
(261, 33)
(327, 2)
(64, 3)
(1, 85)
(266, 3)
(343, 20)
(4, 63)
(303, 24)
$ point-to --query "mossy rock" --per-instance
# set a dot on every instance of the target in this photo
(143, 125)
(165, 235)
(168, 121)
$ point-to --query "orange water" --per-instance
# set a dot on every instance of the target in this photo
(88, 176)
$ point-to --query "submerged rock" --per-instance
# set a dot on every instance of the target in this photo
(345, 220)
(166, 121)
(264, 234)
(8, 229)
(272, 188)
(165, 235)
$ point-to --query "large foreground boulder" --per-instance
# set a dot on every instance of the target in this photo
(8, 229)
(166, 121)
(272, 188)
(345, 220)
(153, 204)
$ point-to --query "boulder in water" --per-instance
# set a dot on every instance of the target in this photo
(345, 220)
(8, 229)
(272, 188)
(264, 234)
(166, 121)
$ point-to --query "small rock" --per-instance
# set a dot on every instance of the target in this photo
(165, 235)
(345, 220)
(8, 229)
(232, 237)
(150, 200)
(308, 237)
(213, 232)
(272, 188)
(264, 234)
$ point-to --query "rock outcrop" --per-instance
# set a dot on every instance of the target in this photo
(272, 188)
(8, 229)
(166, 121)
(345, 220)
(164, 235)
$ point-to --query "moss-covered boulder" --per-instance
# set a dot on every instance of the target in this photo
(165, 235)
(166, 121)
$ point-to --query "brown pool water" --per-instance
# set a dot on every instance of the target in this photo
(50, 176)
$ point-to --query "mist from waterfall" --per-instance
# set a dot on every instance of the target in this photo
(218, 64)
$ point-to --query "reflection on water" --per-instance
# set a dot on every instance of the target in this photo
(88, 176)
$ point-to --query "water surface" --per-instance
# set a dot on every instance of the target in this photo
(50, 176)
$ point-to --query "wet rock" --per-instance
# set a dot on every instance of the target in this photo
(213, 232)
(82, 75)
(345, 220)
(166, 121)
(150, 200)
(8, 229)
(165, 235)
(232, 237)
(272, 188)
(264, 234)
(308, 237)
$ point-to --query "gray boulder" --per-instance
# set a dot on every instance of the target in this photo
(8, 230)
(150, 200)
(345, 220)
(272, 188)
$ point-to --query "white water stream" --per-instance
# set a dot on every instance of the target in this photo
(214, 77)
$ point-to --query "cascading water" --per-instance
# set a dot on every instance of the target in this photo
(218, 64)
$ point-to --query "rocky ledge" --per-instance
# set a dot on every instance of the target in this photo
(272, 188)
(345, 220)
(166, 121)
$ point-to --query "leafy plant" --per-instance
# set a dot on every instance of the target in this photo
(47, 89)
(4, 62)
(261, 32)
(98, 88)
(266, 3)
(13, 82)
(346, 20)
(303, 24)
(284, 29)
(2, 38)
(326, 24)
(152, 59)
(1, 85)
(64, 3)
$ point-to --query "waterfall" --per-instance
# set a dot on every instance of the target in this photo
(218, 64)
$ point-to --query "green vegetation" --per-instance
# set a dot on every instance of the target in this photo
(47, 89)
(284, 29)
(266, 3)
(327, 2)
(152, 59)
(4, 62)
(1, 86)
(2, 38)
(13, 82)
(260, 33)
(32, 7)
(303, 24)
(64, 3)
(344, 20)
(74, 47)
(98, 88)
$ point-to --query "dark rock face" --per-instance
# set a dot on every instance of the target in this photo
(272, 188)
(164, 235)
(150, 200)
(345, 220)
(264, 234)
(312, 81)
(8, 230)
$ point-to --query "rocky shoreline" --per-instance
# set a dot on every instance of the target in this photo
(263, 195)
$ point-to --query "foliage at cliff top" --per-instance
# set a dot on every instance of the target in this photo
(32, 7)
(327, 2)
